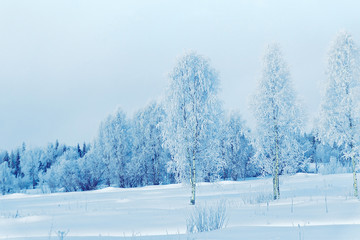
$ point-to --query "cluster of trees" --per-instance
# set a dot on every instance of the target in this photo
(279, 144)
(189, 137)
(26, 168)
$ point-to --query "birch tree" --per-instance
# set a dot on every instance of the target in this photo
(192, 111)
(278, 119)
(339, 114)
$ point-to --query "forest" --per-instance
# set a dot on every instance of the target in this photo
(189, 137)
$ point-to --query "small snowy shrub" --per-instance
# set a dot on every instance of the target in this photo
(207, 218)
(257, 197)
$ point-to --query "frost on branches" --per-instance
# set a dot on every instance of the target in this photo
(339, 114)
(6, 179)
(278, 120)
(148, 164)
(238, 148)
(114, 148)
(193, 112)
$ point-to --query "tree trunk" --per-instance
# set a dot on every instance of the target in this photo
(193, 180)
(352, 145)
(354, 176)
(314, 156)
(276, 187)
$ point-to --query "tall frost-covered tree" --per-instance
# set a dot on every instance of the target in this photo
(114, 148)
(339, 114)
(193, 112)
(148, 164)
(278, 119)
(30, 166)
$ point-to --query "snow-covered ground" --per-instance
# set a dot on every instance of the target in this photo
(311, 207)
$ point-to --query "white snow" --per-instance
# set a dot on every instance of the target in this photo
(311, 207)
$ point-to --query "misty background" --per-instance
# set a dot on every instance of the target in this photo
(65, 65)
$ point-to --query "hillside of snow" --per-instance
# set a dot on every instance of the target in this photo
(311, 207)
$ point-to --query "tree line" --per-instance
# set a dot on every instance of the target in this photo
(188, 136)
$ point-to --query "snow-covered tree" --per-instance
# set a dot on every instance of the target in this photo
(91, 171)
(278, 119)
(15, 163)
(51, 154)
(339, 114)
(238, 147)
(30, 163)
(5, 158)
(67, 172)
(193, 111)
(114, 148)
(63, 173)
(49, 180)
(148, 164)
(7, 179)
(86, 148)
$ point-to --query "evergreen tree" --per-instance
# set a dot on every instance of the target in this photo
(339, 114)
(14, 163)
(56, 144)
(12, 160)
(278, 119)
(84, 149)
(79, 150)
(6, 158)
(17, 167)
(23, 147)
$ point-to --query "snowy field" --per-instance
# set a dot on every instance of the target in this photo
(311, 207)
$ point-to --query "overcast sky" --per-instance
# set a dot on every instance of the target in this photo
(66, 65)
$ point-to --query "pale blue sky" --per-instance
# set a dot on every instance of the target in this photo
(65, 65)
